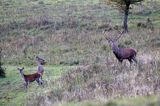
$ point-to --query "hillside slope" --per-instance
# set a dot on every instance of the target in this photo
(81, 68)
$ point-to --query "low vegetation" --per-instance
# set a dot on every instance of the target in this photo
(2, 70)
(81, 69)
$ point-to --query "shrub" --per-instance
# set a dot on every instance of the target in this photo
(2, 70)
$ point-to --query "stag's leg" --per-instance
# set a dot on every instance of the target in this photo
(130, 61)
(120, 60)
(137, 63)
(120, 64)
(134, 59)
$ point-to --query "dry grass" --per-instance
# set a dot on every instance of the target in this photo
(78, 39)
(100, 77)
(102, 82)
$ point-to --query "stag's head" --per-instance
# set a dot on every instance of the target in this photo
(112, 41)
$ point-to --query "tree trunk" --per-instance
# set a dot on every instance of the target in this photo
(125, 21)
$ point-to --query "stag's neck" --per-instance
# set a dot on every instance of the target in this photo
(115, 48)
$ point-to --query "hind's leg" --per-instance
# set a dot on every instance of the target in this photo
(26, 85)
(39, 81)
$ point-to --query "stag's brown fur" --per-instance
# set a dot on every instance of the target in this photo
(122, 53)
(125, 53)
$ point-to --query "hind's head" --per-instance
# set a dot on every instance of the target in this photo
(40, 60)
(21, 69)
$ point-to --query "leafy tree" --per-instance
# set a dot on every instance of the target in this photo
(124, 5)
(2, 70)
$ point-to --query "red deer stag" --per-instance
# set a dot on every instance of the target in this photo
(30, 77)
(122, 53)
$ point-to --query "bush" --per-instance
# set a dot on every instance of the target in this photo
(2, 70)
(110, 103)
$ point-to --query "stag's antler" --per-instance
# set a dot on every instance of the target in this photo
(120, 34)
(107, 38)
(113, 39)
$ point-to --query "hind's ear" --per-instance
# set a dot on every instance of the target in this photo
(20, 68)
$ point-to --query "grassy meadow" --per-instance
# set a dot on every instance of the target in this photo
(81, 68)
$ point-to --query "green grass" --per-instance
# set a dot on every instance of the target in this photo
(134, 101)
(86, 47)
(11, 87)
(13, 93)
(137, 101)
(18, 10)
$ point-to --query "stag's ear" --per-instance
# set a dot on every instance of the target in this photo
(22, 68)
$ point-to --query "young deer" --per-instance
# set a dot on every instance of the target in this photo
(122, 53)
(40, 63)
(30, 77)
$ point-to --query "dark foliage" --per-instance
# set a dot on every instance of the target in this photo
(2, 70)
